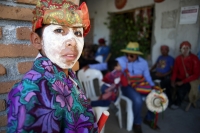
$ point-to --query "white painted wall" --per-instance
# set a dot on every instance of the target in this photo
(98, 10)
(172, 36)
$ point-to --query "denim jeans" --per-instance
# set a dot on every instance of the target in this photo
(137, 101)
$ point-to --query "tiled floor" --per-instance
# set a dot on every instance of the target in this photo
(173, 121)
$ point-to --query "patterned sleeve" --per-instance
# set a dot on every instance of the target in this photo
(15, 110)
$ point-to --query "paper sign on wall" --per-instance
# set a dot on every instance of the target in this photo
(189, 14)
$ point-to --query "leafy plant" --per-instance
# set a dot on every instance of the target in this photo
(123, 29)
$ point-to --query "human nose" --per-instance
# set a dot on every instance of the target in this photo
(71, 42)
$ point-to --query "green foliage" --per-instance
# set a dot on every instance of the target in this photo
(124, 29)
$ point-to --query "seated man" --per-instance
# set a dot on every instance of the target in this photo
(134, 65)
(102, 50)
(186, 69)
(163, 67)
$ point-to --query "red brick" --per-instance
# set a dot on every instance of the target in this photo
(0, 32)
(3, 120)
(6, 86)
(23, 33)
(23, 67)
(2, 70)
(33, 2)
(2, 105)
(16, 13)
(20, 50)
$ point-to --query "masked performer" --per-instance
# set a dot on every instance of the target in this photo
(49, 98)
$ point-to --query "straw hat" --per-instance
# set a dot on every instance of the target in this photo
(156, 102)
(132, 48)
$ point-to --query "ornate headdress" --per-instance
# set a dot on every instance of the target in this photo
(61, 12)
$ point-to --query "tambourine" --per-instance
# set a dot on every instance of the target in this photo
(157, 101)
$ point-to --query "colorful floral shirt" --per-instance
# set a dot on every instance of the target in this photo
(47, 101)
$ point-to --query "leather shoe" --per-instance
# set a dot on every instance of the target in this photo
(137, 128)
(149, 123)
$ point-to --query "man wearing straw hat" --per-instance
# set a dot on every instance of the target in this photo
(134, 67)
(49, 98)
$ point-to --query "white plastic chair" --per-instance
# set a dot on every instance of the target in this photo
(86, 78)
(129, 110)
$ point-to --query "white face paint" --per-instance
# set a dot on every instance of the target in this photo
(185, 50)
(63, 49)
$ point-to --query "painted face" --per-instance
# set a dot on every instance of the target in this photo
(185, 50)
(63, 45)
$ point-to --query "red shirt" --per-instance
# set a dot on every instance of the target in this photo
(192, 66)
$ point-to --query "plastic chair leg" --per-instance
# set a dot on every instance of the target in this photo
(130, 116)
(119, 115)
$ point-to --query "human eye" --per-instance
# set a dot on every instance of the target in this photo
(78, 33)
(59, 30)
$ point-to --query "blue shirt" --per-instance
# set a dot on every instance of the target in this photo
(138, 67)
(198, 54)
(164, 64)
(104, 51)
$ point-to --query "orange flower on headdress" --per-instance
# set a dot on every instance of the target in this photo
(61, 12)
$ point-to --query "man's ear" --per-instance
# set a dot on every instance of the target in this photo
(36, 41)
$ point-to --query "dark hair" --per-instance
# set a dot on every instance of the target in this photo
(39, 31)
(111, 64)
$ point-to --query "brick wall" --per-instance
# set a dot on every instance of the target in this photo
(16, 54)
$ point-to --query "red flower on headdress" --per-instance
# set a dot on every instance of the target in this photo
(85, 19)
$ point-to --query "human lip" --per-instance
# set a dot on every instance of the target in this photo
(70, 56)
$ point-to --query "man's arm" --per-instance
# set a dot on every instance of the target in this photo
(153, 67)
(15, 110)
(196, 71)
(147, 74)
(169, 72)
(100, 66)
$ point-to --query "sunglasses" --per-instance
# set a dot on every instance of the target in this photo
(130, 55)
